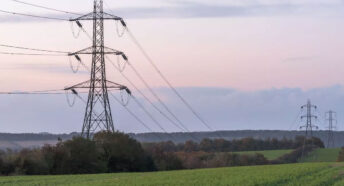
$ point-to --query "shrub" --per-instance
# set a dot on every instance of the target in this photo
(341, 155)
(122, 153)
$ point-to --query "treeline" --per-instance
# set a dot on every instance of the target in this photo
(221, 153)
(34, 137)
(117, 152)
(107, 152)
(245, 144)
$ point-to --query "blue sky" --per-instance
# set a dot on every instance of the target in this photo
(244, 64)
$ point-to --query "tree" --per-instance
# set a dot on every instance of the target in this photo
(82, 156)
(190, 146)
(122, 153)
(206, 145)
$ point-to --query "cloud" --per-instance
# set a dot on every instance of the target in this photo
(222, 108)
(192, 9)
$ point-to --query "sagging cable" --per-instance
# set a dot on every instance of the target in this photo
(124, 25)
(76, 68)
(125, 100)
(123, 65)
(71, 103)
(76, 34)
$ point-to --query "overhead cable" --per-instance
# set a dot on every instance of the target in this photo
(47, 8)
(142, 94)
(29, 54)
(136, 117)
(33, 49)
(34, 16)
(167, 81)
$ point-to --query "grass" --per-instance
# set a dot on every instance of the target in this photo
(268, 154)
(312, 174)
(322, 155)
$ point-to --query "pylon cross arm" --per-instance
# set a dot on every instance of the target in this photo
(92, 15)
(89, 50)
(109, 84)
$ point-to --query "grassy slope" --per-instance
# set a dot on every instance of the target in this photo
(322, 155)
(292, 174)
(269, 154)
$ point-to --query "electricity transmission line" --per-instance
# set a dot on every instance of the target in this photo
(29, 54)
(150, 60)
(33, 16)
(47, 8)
(148, 87)
(98, 78)
(34, 49)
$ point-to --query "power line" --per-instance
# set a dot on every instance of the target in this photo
(55, 91)
(136, 117)
(155, 95)
(34, 49)
(145, 97)
(294, 121)
(153, 105)
(164, 77)
(44, 7)
(137, 102)
(30, 93)
(146, 111)
(45, 17)
(167, 81)
(30, 15)
(132, 114)
(29, 54)
(34, 16)
(151, 90)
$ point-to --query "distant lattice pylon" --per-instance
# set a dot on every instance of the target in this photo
(331, 118)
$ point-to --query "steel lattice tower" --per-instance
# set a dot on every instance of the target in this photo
(331, 118)
(98, 110)
(309, 117)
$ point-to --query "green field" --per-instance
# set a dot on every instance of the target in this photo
(322, 155)
(268, 154)
(320, 174)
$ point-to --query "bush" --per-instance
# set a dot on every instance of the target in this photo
(341, 155)
(295, 155)
(31, 162)
(196, 160)
(122, 153)
(164, 160)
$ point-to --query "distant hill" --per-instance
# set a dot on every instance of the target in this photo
(237, 134)
(19, 141)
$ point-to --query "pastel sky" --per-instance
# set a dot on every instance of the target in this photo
(264, 57)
